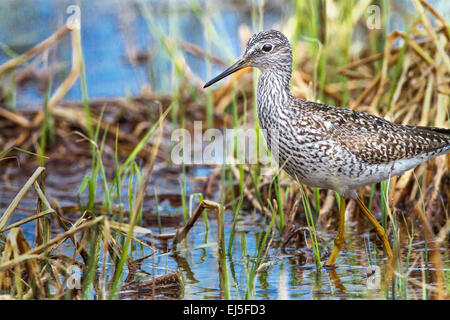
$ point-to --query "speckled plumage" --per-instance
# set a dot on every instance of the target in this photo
(326, 146)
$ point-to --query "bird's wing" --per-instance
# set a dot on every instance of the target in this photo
(375, 140)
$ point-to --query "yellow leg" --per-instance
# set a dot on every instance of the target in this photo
(380, 231)
(340, 237)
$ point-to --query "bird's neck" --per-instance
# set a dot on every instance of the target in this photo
(273, 96)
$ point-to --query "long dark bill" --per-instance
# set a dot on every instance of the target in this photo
(240, 64)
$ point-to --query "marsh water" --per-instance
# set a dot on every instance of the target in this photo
(285, 273)
(110, 28)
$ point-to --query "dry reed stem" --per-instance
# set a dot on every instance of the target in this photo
(15, 117)
(26, 220)
(200, 53)
(365, 93)
(400, 85)
(16, 247)
(298, 76)
(62, 223)
(384, 70)
(15, 202)
(425, 117)
(444, 22)
(66, 85)
(360, 62)
(120, 227)
(431, 32)
(435, 257)
(437, 178)
(147, 174)
(326, 208)
(13, 63)
(205, 204)
(36, 252)
(291, 216)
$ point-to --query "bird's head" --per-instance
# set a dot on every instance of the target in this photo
(268, 51)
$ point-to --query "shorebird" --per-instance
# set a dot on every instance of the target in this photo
(326, 146)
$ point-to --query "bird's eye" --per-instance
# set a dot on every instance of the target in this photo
(267, 47)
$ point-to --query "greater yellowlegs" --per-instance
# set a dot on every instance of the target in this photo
(330, 147)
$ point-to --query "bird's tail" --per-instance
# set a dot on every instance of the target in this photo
(438, 130)
(440, 136)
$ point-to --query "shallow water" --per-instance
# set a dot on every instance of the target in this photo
(286, 274)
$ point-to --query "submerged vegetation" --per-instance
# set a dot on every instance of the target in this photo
(106, 162)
